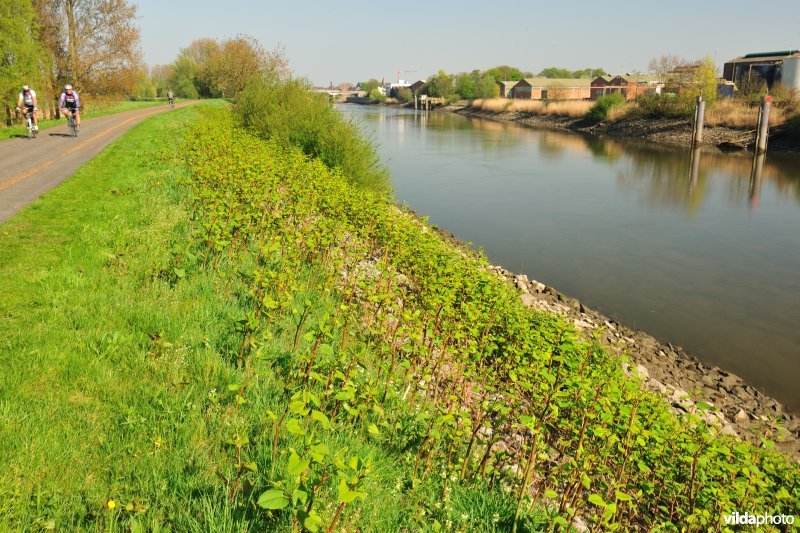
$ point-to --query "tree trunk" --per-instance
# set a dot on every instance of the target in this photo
(72, 32)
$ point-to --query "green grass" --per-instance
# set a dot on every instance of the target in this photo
(118, 390)
(90, 111)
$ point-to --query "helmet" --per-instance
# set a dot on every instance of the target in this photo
(25, 88)
(68, 87)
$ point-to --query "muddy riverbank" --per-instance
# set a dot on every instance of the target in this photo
(663, 131)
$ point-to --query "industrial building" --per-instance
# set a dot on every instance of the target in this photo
(630, 86)
(552, 89)
(773, 67)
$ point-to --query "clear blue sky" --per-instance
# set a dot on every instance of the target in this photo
(355, 40)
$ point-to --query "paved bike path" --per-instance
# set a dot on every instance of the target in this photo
(31, 167)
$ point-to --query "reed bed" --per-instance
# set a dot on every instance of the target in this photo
(732, 114)
(560, 108)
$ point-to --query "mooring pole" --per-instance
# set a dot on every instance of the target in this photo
(755, 179)
(694, 169)
(763, 125)
(699, 119)
(415, 102)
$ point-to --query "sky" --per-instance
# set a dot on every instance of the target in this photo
(355, 40)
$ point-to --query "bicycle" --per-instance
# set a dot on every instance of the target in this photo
(32, 129)
(73, 128)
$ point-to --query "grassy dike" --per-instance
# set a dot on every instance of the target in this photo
(202, 330)
(121, 400)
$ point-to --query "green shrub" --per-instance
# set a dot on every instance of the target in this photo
(376, 96)
(288, 112)
(599, 110)
(667, 105)
(404, 94)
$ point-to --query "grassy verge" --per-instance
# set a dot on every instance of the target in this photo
(227, 335)
(122, 403)
(102, 109)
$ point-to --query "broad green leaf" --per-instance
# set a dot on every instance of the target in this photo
(320, 417)
(296, 465)
(326, 349)
(373, 430)
(298, 407)
(293, 426)
(597, 500)
(300, 497)
(551, 494)
(621, 496)
(273, 499)
(346, 495)
(311, 521)
(318, 452)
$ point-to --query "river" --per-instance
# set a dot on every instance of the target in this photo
(710, 263)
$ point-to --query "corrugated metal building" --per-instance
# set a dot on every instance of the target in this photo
(772, 67)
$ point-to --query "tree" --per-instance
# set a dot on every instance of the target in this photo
(404, 94)
(589, 73)
(661, 66)
(144, 89)
(375, 95)
(465, 85)
(487, 87)
(161, 75)
(440, 85)
(704, 81)
(94, 43)
(193, 66)
(555, 72)
(369, 85)
(236, 61)
(506, 73)
(184, 77)
(21, 55)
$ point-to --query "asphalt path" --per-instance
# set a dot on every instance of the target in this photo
(31, 167)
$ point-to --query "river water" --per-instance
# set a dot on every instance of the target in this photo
(710, 263)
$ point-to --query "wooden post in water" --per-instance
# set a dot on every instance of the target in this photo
(763, 125)
(755, 179)
(415, 102)
(699, 119)
(694, 169)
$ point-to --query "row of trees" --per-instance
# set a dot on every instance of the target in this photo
(210, 68)
(93, 44)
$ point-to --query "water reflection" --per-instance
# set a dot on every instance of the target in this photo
(701, 249)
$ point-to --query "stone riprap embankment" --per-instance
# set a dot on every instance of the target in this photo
(737, 409)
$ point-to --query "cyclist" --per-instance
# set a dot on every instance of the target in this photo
(70, 102)
(28, 104)
(171, 98)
